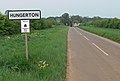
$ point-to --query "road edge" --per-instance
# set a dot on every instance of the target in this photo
(105, 38)
(68, 61)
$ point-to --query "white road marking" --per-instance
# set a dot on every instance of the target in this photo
(100, 49)
(78, 31)
(93, 44)
(86, 38)
(81, 34)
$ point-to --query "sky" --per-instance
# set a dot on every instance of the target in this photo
(102, 8)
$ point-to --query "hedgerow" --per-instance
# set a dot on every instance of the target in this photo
(10, 27)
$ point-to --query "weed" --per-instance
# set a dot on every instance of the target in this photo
(45, 47)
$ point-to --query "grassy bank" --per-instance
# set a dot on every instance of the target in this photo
(113, 34)
(47, 56)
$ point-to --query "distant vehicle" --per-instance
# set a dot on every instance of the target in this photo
(71, 25)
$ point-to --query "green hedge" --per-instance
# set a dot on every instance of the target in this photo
(10, 27)
(108, 23)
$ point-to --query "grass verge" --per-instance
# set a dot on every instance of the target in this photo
(47, 56)
(113, 34)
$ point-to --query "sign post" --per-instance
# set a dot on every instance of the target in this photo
(26, 43)
(24, 16)
(25, 28)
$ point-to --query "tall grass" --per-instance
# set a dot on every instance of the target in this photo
(113, 34)
(45, 45)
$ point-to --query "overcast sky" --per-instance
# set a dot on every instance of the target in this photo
(103, 8)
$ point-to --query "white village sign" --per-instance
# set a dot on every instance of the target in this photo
(24, 16)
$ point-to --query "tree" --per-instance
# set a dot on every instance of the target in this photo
(65, 19)
(108, 23)
(76, 19)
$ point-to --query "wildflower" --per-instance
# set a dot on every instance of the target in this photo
(8, 37)
(40, 61)
(46, 64)
(42, 64)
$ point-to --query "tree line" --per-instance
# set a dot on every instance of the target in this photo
(107, 23)
(66, 19)
(10, 27)
(95, 21)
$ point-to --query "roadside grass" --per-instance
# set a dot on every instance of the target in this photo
(113, 34)
(47, 56)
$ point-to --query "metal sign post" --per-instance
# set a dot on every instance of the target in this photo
(24, 16)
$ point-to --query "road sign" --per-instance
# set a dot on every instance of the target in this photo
(25, 26)
(24, 14)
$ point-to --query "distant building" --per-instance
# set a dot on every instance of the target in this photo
(76, 24)
(58, 20)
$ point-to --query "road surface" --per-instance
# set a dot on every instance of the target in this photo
(91, 57)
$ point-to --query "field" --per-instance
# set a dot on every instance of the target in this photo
(47, 56)
(113, 34)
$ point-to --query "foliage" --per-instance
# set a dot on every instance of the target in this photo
(76, 19)
(109, 23)
(65, 19)
(46, 46)
(10, 27)
(42, 65)
(113, 34)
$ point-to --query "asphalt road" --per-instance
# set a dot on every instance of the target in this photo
(92, 58)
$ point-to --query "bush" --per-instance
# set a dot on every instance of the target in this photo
(10, 27)
(109, 23)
